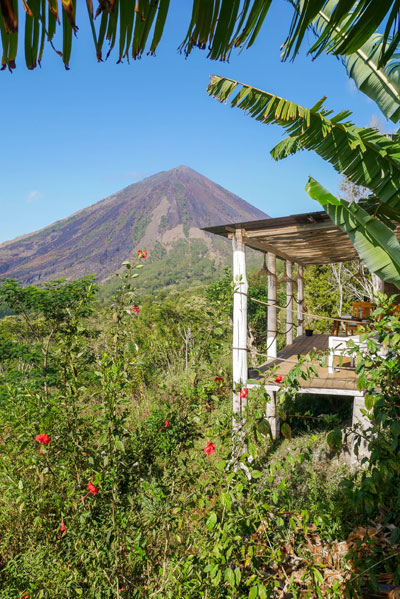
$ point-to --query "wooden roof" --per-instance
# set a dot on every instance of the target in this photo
(309, 238)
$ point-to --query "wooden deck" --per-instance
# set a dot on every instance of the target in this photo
(341, 382)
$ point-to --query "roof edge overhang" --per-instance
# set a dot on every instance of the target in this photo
(306, 238)
(270, 223)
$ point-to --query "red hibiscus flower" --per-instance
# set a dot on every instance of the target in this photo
(142, 254)
(62, 527)
(43, 439)
(219, 379)
(279, 378)
(92, 489)
(209, 448)
(166, 424)
(243, 393)
(135, 309)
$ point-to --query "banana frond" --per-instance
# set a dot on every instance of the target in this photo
(364, 156)
(351, 24)
(377, 246)
(135, 26)
(382, 85)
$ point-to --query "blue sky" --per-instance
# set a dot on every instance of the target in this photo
(71, 138)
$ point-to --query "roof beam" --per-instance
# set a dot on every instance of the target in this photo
(284, 230)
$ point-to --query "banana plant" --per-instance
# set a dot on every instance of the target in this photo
(374, 241)
(136, 27)
(218, 26)
(350, 25)
(364, 156)
(380, 83)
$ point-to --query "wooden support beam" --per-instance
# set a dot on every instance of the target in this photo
(272, 322)
(300, 300)
(315, 228)
(289, 302)
(377, 284)
(265, 247)
(239, 352)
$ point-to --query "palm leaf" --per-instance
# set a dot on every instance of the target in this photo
(376, 244)
(364, 156)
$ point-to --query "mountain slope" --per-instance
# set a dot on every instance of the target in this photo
(154, 213)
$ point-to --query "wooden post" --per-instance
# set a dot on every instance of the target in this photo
(239, 352)
(289, 302)
(300, 301)
(271, 326)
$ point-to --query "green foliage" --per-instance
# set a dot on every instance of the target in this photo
(344, 28)
(44, 316)
(135, 398)
(378, 368)
(217, 27)
(142, 221)
(375, 242)
(186, 265)
(364, 156)
(380, 84)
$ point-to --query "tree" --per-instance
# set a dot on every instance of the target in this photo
(220, 26)
(43, 314)
(366, 157)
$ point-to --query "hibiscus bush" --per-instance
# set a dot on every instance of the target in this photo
(117, 477)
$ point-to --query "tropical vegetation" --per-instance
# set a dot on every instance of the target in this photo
(344, 27)
(117, 477)
(366, 157)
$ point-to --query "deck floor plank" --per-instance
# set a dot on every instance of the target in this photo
(340, 379)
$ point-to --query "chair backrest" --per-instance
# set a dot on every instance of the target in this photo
(363, 309)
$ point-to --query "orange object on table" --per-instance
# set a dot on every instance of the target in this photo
(361, 311)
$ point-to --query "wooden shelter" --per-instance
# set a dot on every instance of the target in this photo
(300, 239)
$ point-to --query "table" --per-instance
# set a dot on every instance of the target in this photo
(349, 320)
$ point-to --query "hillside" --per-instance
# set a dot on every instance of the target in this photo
(163, 213)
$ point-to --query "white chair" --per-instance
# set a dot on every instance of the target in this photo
(338, 346)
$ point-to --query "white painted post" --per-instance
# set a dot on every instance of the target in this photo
(239, 352)
(289, 302)
(300, 301)
(271, 415)
(271, 326)
(377, 284)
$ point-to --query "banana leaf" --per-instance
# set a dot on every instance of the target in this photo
(377, 246)
(365, 156)
(351, 24)
(217, 26)
(382, 85)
